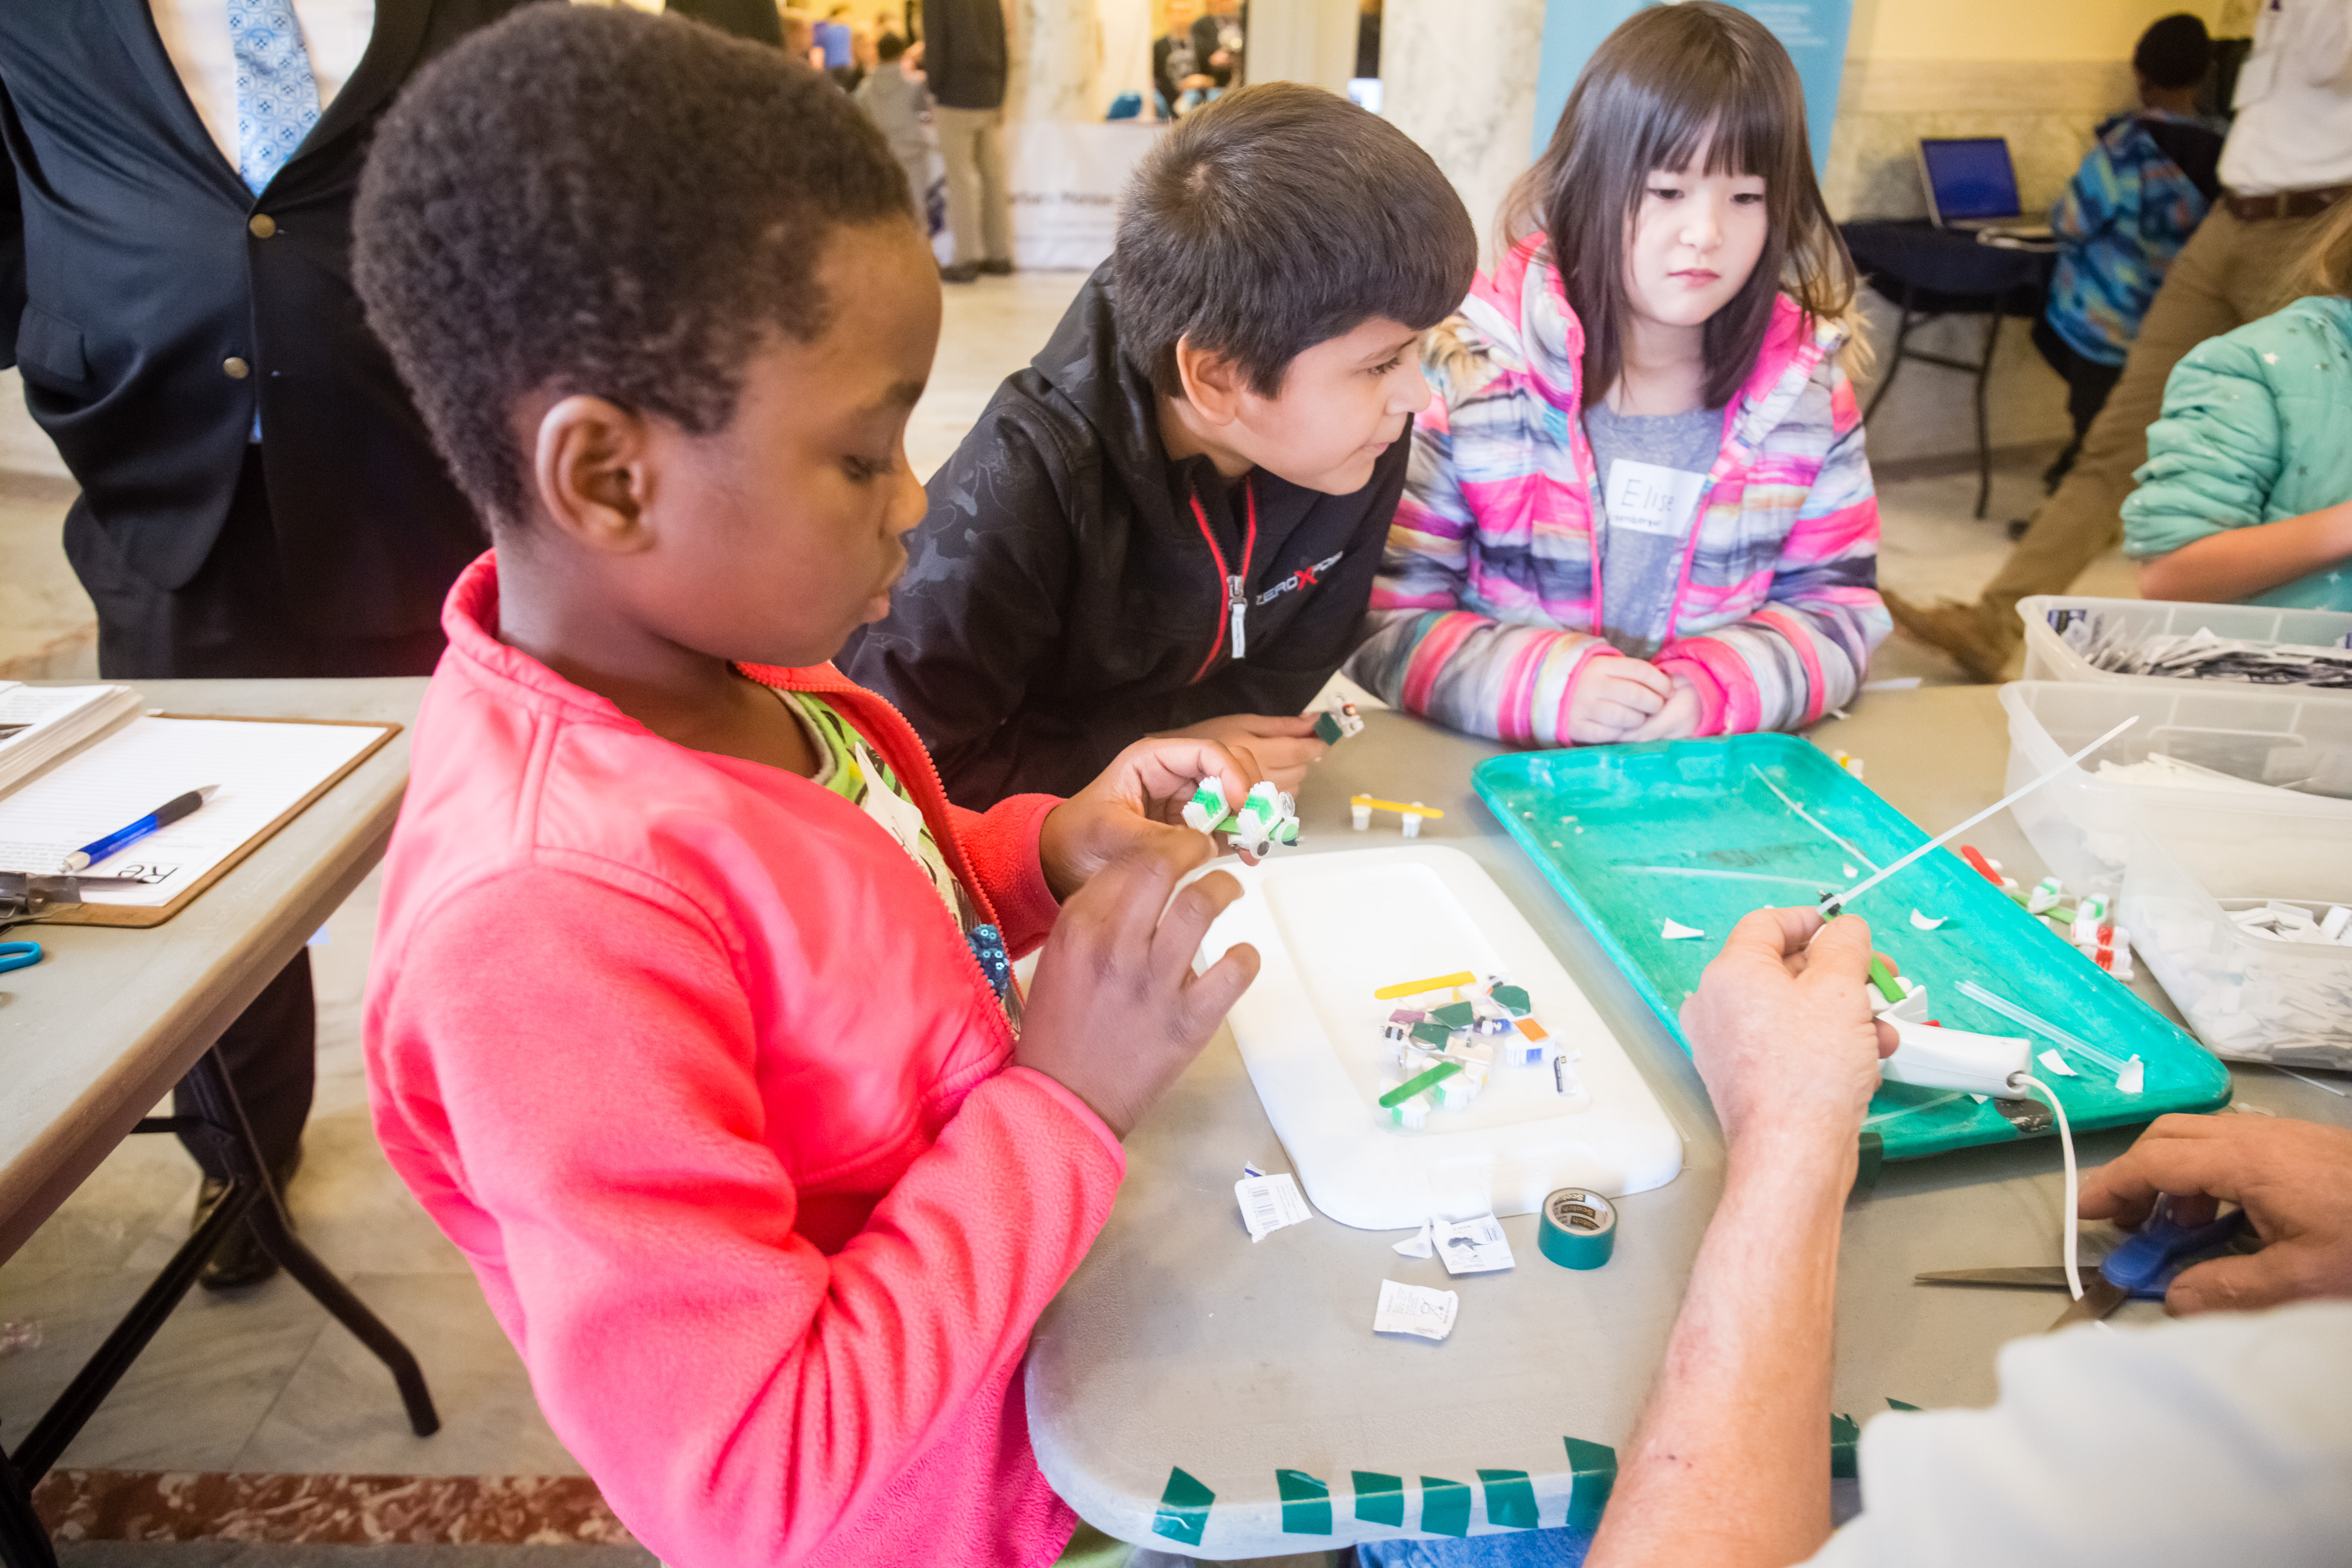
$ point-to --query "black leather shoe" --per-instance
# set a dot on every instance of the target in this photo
(239, 1260)
(961, 272)
(996, 270)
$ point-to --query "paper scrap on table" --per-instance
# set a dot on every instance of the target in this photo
(1924, 922)
(1674, 931)
(2056, 1064)
(1417, 1245)
(1269, 1203)
(1473, 1246)
(1414, 1309)
(1850, 872)
(2134, 1076)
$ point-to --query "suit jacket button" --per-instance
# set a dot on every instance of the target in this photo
(262, 224)
(234, 368)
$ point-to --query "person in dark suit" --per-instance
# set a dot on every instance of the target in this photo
(259, 498)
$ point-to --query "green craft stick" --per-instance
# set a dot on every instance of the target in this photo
(1883, 978)
(1594, 1466)
(1380, 1500)
(1845, 1433)
(1510, 1498)
(1306, 1503)
(1416, 1084)
(1184, 1508)
(1444, 1507)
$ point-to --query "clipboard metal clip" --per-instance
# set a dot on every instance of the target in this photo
(27, 896)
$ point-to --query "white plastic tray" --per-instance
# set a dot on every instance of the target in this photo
(1330, 929)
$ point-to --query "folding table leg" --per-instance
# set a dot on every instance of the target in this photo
(1984, 374)
(23, 1542)
(1894, 359)
(216, 1103)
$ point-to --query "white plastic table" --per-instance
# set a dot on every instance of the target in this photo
(1180, 1345)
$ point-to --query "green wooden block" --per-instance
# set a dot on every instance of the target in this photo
(1454, 1014)
(1845, 1433)
(1380, 1500)
(1444, 1507)
(1184, 1508)
(1594, 1465)
(1510, 1498)
(1306, 1503)
(1328, 730)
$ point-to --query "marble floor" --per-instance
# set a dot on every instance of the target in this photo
(262, 1383)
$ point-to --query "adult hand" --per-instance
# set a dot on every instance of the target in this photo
(1613, 696)
(2292, 1178)
(1116, 1012)
(1679, 719)
(1137, 801)
(1282, 748)
(1781, 1032)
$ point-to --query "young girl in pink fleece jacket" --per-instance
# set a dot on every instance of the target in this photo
(692, 1022)
(1639, 508)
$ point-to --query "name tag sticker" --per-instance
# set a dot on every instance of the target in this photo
(1649, 498)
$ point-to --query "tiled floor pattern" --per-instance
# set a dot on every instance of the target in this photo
(262, 1383)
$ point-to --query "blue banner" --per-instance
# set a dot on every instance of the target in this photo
(1813, 31)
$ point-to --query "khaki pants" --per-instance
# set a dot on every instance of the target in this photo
(980, 203)
(2231, 272)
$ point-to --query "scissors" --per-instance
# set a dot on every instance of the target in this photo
(2142, 1268)
(18, 956)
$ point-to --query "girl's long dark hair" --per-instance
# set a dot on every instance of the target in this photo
(1672, 82)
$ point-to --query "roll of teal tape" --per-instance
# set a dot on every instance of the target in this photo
(1577, 1229)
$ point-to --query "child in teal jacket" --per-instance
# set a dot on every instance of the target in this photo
(2246, 496)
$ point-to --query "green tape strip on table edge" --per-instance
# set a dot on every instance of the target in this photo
(1594, 1466)
(1306, 1503)
(1444, 1507)
(1380, 1500)
(1184, 1508)
(1510, 1498)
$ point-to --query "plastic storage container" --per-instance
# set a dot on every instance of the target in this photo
(2047, 656)
(2293, 843)
(2247, 996)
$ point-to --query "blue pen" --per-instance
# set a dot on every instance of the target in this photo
(163, 815)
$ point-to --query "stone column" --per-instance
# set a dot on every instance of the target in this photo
(1459, 78)
(1057, 56)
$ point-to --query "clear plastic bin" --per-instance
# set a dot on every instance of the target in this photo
(2047, 656)
(2246, 996)
(2292, 844)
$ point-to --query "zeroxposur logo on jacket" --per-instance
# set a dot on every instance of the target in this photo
(1305, 577)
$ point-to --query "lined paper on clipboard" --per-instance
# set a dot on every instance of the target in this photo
(265, 769)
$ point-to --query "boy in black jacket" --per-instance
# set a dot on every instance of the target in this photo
(1171, 521)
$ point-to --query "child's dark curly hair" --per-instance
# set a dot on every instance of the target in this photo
(581, 200)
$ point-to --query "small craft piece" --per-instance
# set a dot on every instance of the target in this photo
(1927, 922)
(1454, 1014)
(2057, 1064)
(1417, 1245)
(1564, 1073)
(1513, 1001)
(1268, 817)
(1852, 764)
(1419, 1084)
(1361, 807)
(1414, 1309)
(1332, 728)
(1412, 1114)
(1269, 1203)
(1674, 931)
(1207, 807)
(1473, 1246)
(2045, 896)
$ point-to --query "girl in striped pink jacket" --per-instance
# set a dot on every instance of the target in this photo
(1639, 509)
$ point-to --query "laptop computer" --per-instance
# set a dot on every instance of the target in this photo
(1972, 186)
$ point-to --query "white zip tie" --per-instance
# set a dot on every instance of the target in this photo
(1844, 844)
(2066, 1143)
(2313, 1081)
(2048, 1031)
(1843, 900)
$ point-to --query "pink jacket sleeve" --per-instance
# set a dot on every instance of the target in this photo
(607, 1123)
(1001, 845)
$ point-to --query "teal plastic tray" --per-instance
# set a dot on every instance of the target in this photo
(1689, 831)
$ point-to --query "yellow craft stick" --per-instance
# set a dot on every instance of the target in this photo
(1415, 987)
(1379, 805)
